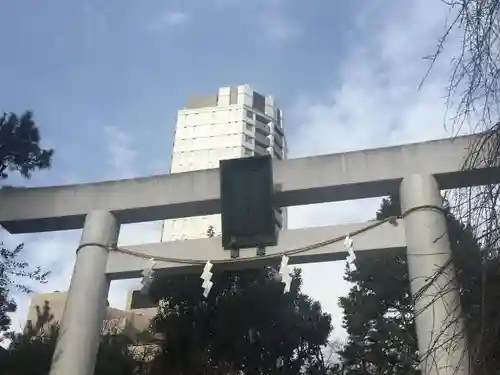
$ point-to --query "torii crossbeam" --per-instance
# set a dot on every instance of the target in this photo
(419, 171)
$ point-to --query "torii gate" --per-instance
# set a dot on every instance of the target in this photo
(419, 171)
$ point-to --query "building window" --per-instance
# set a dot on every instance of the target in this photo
(259, 102)
(262, 119)
(279, 131)
(262, 132)
(259, 143)
(249, 127)
(247, 152)
(248, 139)
(249, 114)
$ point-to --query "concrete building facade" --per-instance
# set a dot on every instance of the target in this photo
(232, 123)
(131, 323)
(139, 303)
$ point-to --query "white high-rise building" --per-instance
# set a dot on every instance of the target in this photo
(233, 123)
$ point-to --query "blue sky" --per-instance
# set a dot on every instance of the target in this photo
(82, 65)
(106, 77)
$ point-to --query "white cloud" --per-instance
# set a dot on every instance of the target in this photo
(176, 18)
(271, 17)
(169, 19)
(373, 101)
(121, 151)
(279, 28)
(275, 21)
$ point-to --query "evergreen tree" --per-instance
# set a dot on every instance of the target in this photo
(246, 324)
(19, 151)
(20, 146)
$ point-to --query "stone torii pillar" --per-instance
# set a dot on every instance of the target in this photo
(85, 309)
(440, 329)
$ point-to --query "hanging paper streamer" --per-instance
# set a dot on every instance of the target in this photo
(285, 274)
(206, 276)
(351, 257)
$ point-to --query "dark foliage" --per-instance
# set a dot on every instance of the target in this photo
(20, 146)
(246, 324)
(19, 151)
